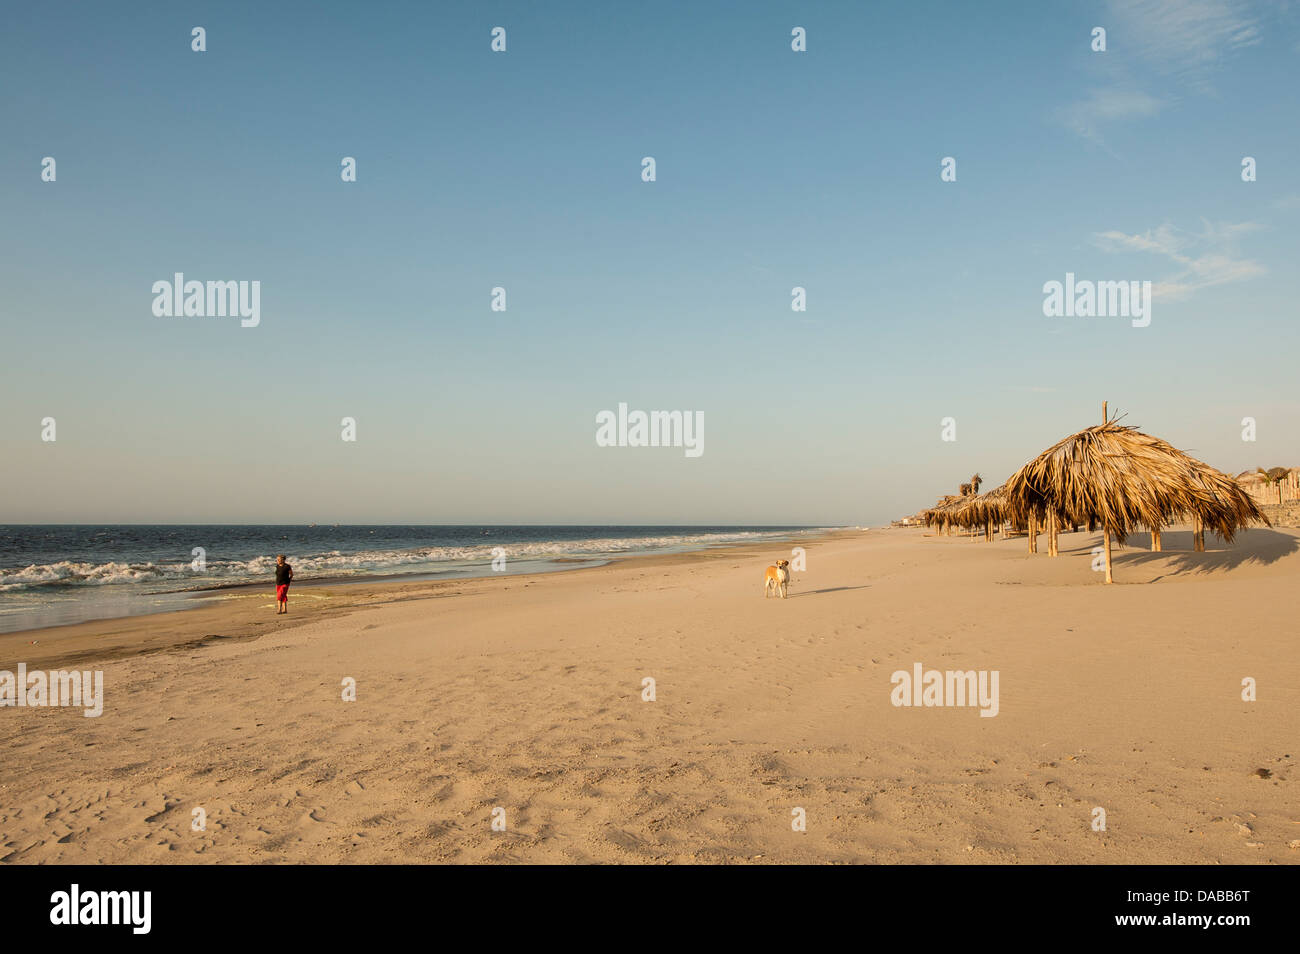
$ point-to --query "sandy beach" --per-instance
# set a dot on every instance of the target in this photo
(526, 694)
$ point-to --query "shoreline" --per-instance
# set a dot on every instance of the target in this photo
(58, 606)
(109, 638)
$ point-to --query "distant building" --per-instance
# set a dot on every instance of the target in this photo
(1268, 491)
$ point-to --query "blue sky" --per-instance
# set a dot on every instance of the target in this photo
(522, 169)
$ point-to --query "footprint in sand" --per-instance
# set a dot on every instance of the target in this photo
(316, 815)
(168, 805)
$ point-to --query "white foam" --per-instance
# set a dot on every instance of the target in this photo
(163, 577)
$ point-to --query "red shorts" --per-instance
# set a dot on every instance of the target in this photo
(282, 593)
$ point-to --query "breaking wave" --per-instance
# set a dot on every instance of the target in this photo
(180, 575)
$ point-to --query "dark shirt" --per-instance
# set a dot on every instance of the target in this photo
(282, 573)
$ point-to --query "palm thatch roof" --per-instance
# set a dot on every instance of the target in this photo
(970, 511)
(965, 512)
(940, 515)
(1126, 480)
(990, 507)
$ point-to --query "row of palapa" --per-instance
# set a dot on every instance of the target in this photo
(1111, 476)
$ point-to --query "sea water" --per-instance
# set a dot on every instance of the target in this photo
(51, 575)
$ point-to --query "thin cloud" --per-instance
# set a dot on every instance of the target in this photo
(1205, 259)
(1183, 41)
(1183, 38)
(1104, 106)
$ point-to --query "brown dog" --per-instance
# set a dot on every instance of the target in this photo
(777, 578)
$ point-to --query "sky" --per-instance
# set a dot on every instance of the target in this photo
(522, 169)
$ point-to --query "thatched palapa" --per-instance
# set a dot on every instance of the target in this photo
(989, 510)
(941, 515)
(1126, 480)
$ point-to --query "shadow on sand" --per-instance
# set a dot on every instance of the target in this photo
(1256, 545)
(829, 589)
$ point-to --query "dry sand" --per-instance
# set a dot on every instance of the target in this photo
(525, 693)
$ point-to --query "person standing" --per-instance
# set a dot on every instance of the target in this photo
(283, 577)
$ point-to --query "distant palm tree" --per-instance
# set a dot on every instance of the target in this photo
(1274, 476)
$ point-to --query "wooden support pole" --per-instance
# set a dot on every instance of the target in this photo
(1106, 536)
(1155, 540)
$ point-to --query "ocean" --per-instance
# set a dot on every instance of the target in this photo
(57, 574)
